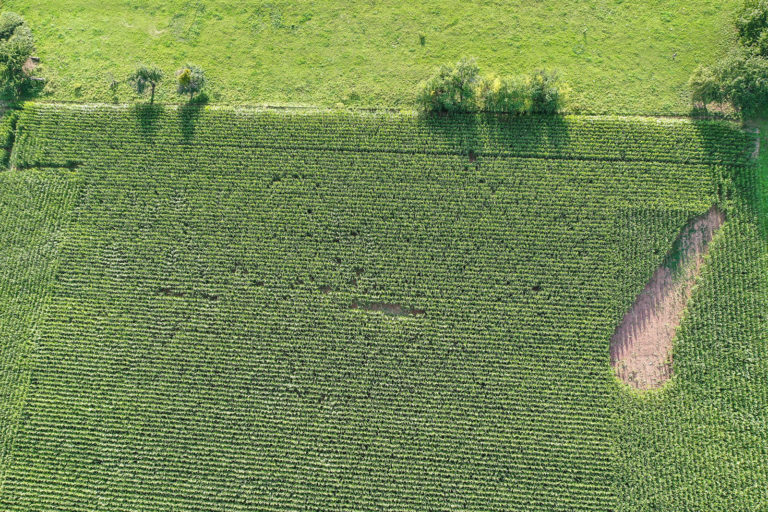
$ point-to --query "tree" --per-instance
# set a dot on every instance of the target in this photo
(507, 94)
(752, 22)
(740, 79)
(191, 80)
(146, 77)
(16, 47)
(451, 89)
(545, 92)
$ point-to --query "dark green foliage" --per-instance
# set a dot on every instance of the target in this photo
(752, 22)
(145, 78)
(190, 80)
(451, 89)
(16, 46)
(544, 92)
(740, 79)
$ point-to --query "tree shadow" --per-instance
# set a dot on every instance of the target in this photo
(499, 134)
(529, 135)
(740, 174)
(454, 131)
(189, 114)
(147, 116)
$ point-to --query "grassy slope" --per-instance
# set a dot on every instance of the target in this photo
(618, 56)
(244, 384)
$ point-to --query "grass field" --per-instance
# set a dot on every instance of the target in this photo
(617, 56)
(191, 342)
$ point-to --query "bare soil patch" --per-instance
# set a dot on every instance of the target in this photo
(641, 346)
(29, 65)
(387, 308)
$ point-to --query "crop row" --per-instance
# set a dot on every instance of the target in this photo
(78, 132)
(199, 350)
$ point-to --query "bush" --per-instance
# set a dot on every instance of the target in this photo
(9, 21)
(191, 80)
(451, 89)
(544, 92)
(508, 94)
(16, 46)
(460, 88)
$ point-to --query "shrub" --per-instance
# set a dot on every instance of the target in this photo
(191, 80)
(16, 46)
(460, 88)
(451, 89)
(544, 92)
(146, 77)
(507, 94)
(9, 21)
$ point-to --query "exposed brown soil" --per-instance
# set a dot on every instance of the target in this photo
(389, 309)
(641, 345)
(29, 65)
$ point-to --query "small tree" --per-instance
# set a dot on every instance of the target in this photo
(451, 89)
(191, 80)
(16, 47)
(146, 77)
(544, 92)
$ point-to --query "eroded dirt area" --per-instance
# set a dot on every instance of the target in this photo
(642, 343)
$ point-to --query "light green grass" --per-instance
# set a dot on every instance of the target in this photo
(618, 56)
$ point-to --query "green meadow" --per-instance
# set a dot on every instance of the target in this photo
(617, 56)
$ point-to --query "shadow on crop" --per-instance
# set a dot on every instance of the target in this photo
(148, 118)
(189, 115)
(740, 179)
(492, 134)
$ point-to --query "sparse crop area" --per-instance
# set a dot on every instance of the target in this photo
(240, 309)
